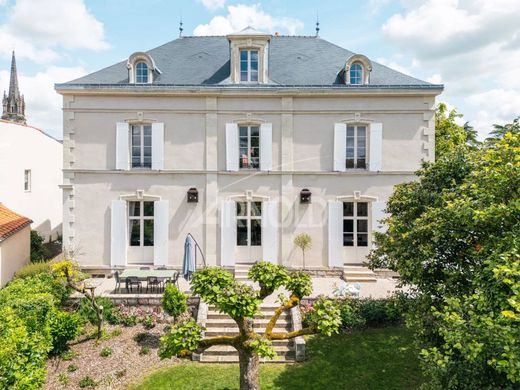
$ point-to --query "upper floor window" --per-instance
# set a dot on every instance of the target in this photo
(27, 180)
(141, 73)
(355, 224)
(356, 153)
(249, 147)
(249, 223)
(141, 147)
(249, 65)
(140, 219)
(356, 73)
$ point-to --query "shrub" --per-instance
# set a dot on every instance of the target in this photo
(110, 313)
(105, 352)
(37, 252)
(140, 337)
(64, 326)
(32, 269)
(145, 350)
(63, 379)
(41, 283)
(174, 301)
(149, 322)
(72, 368)
(68, 355)
(87, 381)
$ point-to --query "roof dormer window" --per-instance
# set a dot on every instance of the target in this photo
(356, 73)
(249, 50)
(248, 65)
(141, 69)
(141, 73)
(357, 70)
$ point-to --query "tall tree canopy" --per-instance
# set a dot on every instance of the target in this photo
(454, 237)
(448, 134)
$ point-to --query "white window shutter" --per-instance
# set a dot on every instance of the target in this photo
(335, 237)
(378, 213)
(340, 147)
(232, 147)
(161, 232)
(270, 231)
(118, 233)
(266, 147)
(122, 146)
(158, 146)
(376, 147)
(228, 233)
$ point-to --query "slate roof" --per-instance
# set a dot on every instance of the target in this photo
(10, 222)
(294, 61)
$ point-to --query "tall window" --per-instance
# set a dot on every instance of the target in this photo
(249, 65)
(355, 224)
(141, 146)
(249, 223)
(249, 144)
(141, 73)
(356, 147)
(140, 215)
(356, 73)
(27, 180)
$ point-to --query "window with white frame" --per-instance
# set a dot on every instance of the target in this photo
(141, 222)
(249, 223)
(356, 73)
(141, 146)
(356, 154)
(355, 224)
(27, 180)
(141, 73)
(249, 65)
(249, 147)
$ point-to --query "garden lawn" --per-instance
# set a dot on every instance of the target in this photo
(371, 359)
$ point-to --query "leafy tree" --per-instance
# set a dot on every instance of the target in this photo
(304, 242)
(241, 302)
(448, 134)
(499, 131)
(454, 238)
(37, 251)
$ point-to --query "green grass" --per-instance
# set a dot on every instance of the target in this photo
(372, 359)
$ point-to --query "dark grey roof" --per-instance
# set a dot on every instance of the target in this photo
(294, 61)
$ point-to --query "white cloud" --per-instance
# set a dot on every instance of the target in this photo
(473, 47)
(240, 16)
(36, 28)
(43, 104)
(213, 4)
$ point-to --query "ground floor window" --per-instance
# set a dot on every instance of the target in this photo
(355, 223)
(249, 223)
(140, 219)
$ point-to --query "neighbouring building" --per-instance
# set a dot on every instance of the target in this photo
(30, 165)
(244, 141)
(15, 243)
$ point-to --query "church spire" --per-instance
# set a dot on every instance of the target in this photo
(13, 103)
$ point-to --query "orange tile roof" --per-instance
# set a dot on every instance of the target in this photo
(10, 222)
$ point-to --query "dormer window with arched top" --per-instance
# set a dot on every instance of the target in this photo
(356, 73)
(141, 73)
(357, 70)
(141, 69)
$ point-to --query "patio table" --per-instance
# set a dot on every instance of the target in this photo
(143, 274)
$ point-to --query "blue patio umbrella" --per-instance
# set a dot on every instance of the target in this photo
(188, 264)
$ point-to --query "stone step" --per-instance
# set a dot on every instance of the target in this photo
(211, 332)
(289, 357)
(265, 317)
(228, 322)
(226, 350)
(360, 279)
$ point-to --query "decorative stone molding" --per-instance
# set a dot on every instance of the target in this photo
(136, 58)
(249, 39)
(364, 62)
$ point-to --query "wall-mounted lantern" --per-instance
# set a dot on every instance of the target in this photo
(193, 195)
(305, 196)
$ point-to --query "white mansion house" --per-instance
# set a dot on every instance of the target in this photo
(244, 141)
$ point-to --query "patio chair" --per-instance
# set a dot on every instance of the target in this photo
(132, 281)
(118, 282)
(174, 280)
(152, 282)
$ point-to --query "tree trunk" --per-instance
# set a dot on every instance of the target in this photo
(249, 370)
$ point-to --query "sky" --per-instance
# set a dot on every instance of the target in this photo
(470, 46)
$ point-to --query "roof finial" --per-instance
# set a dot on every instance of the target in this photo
(317, 25)
(180, 27)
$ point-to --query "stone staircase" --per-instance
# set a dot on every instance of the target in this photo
(358, 273)
(220, 324)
